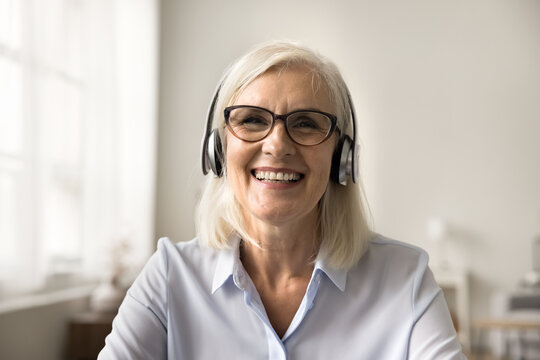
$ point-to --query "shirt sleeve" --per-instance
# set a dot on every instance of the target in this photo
(140, 329)
(433, 335)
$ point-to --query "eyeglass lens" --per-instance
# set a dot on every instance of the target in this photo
(305, 127)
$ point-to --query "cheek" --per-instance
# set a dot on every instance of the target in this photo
(320, 168)
(237, 157)
(324, 167)
(323, 161)
(230, 151)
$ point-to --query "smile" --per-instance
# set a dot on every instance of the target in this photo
(281, 177)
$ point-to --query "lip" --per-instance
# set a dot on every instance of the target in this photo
(276, 185)
(276, 170)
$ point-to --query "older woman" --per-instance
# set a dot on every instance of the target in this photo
(284, 265)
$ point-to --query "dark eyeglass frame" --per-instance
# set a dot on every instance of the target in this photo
(283, 117)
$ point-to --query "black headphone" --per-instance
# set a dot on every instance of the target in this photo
(344, 159)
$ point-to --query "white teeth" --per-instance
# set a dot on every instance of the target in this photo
(280, 176)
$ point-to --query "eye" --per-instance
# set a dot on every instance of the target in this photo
(252, 120)
(306, 122)
(249, 119)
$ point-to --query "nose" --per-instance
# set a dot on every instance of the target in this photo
(278, 143)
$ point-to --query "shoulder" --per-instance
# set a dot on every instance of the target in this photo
(167, 245)
(181, 264)
(192, 247)
(381, 240)
(391, 262)
(170, 257)
(386, 248)
(186, 255)
(394, 265)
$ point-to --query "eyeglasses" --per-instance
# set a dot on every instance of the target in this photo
(304, 127)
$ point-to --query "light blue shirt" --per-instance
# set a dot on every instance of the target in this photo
(192, 302)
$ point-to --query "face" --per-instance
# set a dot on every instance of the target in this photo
(251, 165)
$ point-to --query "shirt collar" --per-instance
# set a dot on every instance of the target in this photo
(337, 276)
(229, 261)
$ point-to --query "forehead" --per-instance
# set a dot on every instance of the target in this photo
(289, 87)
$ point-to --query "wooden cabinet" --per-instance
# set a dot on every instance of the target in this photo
(86, 335)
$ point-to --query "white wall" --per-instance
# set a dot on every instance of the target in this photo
(447, 95)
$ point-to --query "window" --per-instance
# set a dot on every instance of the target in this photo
(68, 86)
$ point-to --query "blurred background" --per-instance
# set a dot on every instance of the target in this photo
(103, 105)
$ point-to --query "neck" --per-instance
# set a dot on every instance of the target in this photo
(282, 253)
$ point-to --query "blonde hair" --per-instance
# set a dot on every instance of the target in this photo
(343, 227)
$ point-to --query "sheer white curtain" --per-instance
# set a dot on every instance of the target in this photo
(78, 92)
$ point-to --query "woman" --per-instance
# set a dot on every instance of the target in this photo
(284, 265)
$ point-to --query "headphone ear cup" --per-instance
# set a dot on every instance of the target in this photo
(341, 161)
(215, 153)
(334, 170)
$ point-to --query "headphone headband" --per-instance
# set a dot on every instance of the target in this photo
(344, 160)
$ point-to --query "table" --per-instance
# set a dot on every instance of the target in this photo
(507, 324)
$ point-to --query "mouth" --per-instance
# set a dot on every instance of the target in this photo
(281, 177)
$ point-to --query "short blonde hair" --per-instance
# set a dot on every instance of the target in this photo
(343, 227)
